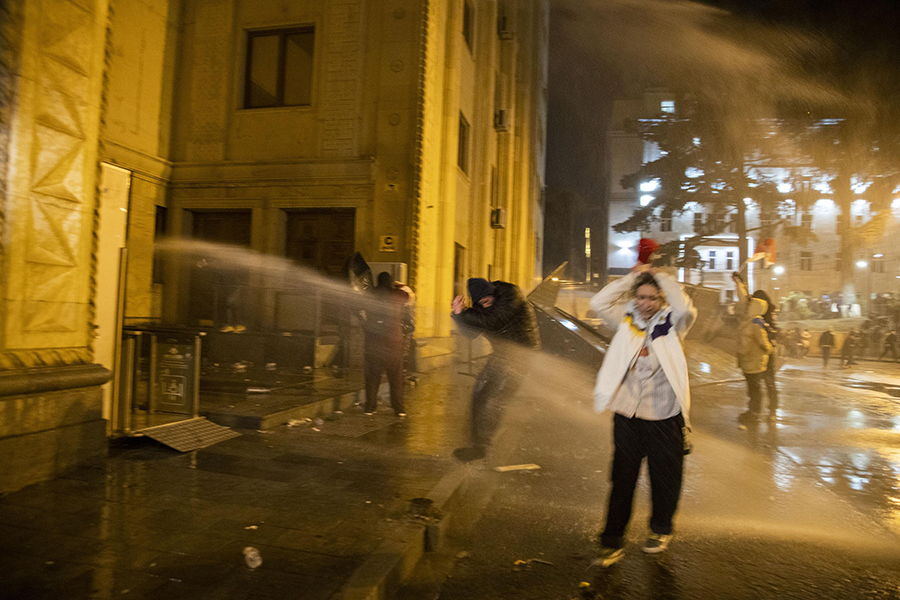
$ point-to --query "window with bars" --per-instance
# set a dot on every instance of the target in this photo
(711, 263)
(279, 69)
(806, 261)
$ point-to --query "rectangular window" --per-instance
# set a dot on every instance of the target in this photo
(665, 223)
(279, 70)
(878, 264)
(495, 189)
(729, 261)
(159, 232)
(698, 222)
(806, 261)
(712, 260)
(468, 25)
(667, 107)
(462, 156)
(807, 220)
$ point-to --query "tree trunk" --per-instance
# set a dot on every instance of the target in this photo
(741, 217)
(844, 195)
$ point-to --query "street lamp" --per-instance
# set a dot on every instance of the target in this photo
(862, 264)
(779, 270)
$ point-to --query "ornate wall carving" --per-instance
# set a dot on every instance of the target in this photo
(52, 193)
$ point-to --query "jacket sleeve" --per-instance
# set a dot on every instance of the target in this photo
(683, 310)
(743, 296)
(609, 303)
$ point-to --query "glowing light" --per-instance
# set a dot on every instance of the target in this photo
(650, 186)
(862, 264)
(696, 143)
(554, 279)
(693, 172)
(779, 270)
(825, 203)
(877, 255)
(785, 188)
(895, 204)
(646, 199)
(748, 201)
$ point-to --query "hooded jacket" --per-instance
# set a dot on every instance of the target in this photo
(667, 328)
(510, 319)
(754, 348)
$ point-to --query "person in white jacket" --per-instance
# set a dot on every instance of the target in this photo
(644, 382)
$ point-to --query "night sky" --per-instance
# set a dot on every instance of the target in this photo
(820, 55)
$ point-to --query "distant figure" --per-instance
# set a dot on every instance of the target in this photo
(889, 345)
(385, 349)
(826, 345)
(753, 356)
(849, 348)
(772, 332)
(504, 316)
(644, 382)
(803, 346)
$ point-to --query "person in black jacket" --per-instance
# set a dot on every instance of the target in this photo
(501, 313)
(826, 345)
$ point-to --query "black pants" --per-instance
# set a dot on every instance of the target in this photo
(496, 383)
(826, 354)
(376, 364)
(888, 348)
(662, 443)
(754, 389)
(769, 378)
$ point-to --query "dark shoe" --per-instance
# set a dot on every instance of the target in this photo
(469, 454)
(747, 418)
(608, 556)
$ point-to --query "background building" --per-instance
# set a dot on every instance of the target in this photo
(412, 131)
(808, 258)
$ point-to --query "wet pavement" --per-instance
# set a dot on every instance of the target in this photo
(149, 522)
(807, 507)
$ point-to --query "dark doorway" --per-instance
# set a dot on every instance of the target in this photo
(321, 239)
(218, 294)
(459, 265)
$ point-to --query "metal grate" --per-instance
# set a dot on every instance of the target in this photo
(188, 435)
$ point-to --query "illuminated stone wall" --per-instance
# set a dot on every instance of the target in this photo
(49, 392)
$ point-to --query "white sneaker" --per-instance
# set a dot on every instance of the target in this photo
(656, 543)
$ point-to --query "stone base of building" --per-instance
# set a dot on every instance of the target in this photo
(51, 420)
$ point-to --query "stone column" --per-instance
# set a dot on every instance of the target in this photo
(50, 399)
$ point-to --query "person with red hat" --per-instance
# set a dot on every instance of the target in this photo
(644, 382)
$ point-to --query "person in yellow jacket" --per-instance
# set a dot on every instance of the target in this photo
(754, 353)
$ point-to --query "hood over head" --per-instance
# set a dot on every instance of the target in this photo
(757, 308)
(479, 288)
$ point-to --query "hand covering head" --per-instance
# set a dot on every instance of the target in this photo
(479, 288)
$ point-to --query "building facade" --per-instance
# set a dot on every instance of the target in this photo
(809, 264)
(412, 131)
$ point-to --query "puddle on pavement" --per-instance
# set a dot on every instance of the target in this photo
(859, 384)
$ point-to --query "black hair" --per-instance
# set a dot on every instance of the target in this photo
(385, 280)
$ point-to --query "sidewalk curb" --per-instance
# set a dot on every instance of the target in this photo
(383, 572)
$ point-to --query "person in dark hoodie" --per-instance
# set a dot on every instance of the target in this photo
(501, 313)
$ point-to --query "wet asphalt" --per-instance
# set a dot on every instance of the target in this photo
(807, 507)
